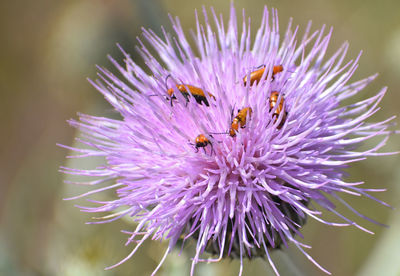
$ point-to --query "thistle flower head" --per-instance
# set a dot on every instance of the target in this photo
(232, 142)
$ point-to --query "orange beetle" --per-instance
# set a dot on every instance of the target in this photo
(202, 141)
(239, 120)
(255, 76)
(196, 92)
(273, 100)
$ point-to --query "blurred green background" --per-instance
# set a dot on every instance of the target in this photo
(50, 47)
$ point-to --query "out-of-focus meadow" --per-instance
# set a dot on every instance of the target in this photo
(48, 50)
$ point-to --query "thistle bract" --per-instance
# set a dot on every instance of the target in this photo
(230, 142)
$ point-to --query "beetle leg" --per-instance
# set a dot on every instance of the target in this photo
(212, 149)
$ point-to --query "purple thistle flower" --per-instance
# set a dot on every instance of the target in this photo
(189, 162)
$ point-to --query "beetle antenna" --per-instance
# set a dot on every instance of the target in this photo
(166, 80)
(262, 65)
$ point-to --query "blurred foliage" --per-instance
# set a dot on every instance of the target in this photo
(48, 50)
